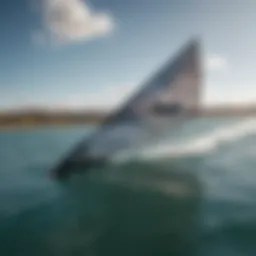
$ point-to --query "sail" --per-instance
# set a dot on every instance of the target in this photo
(170, 96)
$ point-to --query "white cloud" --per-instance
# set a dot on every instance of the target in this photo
(224, 89)
(67, 21)
(241, 94)
(215, 62)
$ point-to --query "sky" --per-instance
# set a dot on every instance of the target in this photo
(84, 54)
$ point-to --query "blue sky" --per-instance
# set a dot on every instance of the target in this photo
(78, 54)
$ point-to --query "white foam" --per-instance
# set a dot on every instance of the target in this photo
(202, 144)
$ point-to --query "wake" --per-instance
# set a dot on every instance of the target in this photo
(202, 144)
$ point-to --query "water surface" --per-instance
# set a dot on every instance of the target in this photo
(194, 194)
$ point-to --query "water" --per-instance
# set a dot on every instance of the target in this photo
(192, 195)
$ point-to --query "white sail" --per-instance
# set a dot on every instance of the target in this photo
(170, 96)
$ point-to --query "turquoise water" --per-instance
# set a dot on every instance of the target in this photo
(194, 194)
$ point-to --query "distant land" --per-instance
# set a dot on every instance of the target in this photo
(229, 110)
(35, 118)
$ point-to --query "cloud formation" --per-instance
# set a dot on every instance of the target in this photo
(223, 95)
(215, 62)
(66, 21)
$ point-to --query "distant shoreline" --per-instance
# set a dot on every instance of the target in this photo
(38, 119)
(20, 120)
